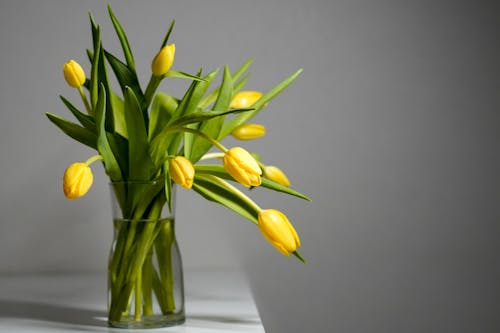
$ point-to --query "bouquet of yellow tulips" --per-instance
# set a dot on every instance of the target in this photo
(150, 136)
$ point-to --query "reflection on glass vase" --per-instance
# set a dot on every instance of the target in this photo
(145, 282)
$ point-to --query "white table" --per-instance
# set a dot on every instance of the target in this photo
(216, 301)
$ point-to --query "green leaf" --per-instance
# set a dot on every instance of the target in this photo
(219, 171)
(119, 146)
(212, 126)
(299, 256)
(192, 105)
(240, 84)
(127, 52)
(168, 144)
(94, 72)
(118, 115)
(162, 110)
(229, 126)
(210, 98)
(168, 185)
(199, 116)
(217, 190)
(167, 35)
(127, 78)
(191, 99)
(110, 163)
(103, 79)
(77, 132)
(86, 120)
(183, 75)
(140, 164)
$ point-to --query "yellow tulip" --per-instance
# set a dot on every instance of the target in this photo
(249, 131)
(245, 99)
(74, 74)
(276, 175)
(77, 180)
(182, 171)
(276, 228)
(242, 167)
(163, 60)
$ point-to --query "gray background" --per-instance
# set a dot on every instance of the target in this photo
(393, 129)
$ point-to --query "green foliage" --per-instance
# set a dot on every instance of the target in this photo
(217, 190)
(74, 131)
(137, 131)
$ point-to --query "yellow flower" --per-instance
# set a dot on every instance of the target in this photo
(249, 131)
(77, 180)
(74, 74)
(245, 99)
(163, 60)
(182, 171)
(276, 175)
(276, 228)
(242, 166)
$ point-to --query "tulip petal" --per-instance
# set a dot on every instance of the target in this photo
(234, 169)
(276, 228)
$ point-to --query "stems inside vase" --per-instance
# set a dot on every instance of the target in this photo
(142, 272)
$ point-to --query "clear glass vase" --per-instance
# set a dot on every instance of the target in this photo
(145, 280)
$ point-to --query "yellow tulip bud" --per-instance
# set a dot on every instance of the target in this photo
(276, 175)
(276, 228)
(74, 74)
(245, 99)
(249, 131)
(242, 167)
(163, 60)
(182, 171)
(77, 180)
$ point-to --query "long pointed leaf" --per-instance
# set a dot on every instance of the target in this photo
(168, 185)
(210, 98)
(119, 147)
(217, 190)
(162, 109)
(241, 119)
(219, 171)
(86, 120)
(77, 132)
(200, 116)
(140, 165)
(183, 75)
(127, 78)
(94, 73)
(212, 127)
(110, 163)
(103, 79)
(119, 115)
(167, 35)
(127, 52)
(192, 105)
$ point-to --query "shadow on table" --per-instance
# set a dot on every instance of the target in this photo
(225, 319)
(53, 313)
(84, 317)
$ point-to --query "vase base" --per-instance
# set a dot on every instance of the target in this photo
(155, 321)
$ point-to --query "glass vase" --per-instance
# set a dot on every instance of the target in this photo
(145, 278)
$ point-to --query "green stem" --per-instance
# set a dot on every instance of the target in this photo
(153, 84)
(138, 244)
(85, 101)
(147, 285)
(163, 247)
(211, 156)
(235, 191)
(94, 159)
(138, 295)
(198, 133)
